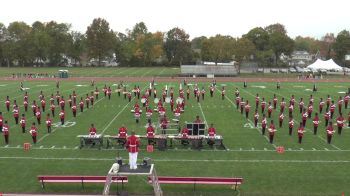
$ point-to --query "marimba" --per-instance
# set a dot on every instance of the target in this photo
(91, 140)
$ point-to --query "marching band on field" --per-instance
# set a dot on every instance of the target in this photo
(177, 106)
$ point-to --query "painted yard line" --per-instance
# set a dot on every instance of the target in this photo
(176, 150)
(116, 116)
(309, 131)
(144, 74)
(161, 72)
(205, 120)
(267, 139)
(47, 134)
(183, 160)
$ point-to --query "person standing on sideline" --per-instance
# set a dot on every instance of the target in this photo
(272, 130)
(340, 123)
(1, 121)
(330, 132)
(133, 144)
(300, 132)
(5, 132)
(33, 132)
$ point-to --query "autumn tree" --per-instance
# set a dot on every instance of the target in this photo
(100, 40)
(218, 49)
(177, 46)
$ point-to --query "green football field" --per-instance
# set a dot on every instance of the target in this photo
(311, 168)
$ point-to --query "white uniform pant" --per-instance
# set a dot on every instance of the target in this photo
(133, 160)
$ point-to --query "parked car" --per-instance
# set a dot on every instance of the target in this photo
(299, 69)
(274, 70)
(292, 70)
(283, 70)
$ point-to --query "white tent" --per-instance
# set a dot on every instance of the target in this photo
(325, 65)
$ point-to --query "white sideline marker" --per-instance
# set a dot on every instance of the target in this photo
(313, 148)
(326, 149)
(301, 149)
(253, 149)
(289, 149)
(18, 146)
(52, 147)
(76, 147)
(265, 149)
(41, 147)
(64, 147)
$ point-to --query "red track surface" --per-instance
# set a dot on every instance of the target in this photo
(176, 79)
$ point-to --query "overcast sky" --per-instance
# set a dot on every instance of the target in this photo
(197, 17)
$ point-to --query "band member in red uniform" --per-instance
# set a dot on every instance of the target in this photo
(328, 102)
(16, 114)
(164, 124)
(310, 108)
(58, 97)
(74, 110)
(282, 105)
(348, 119)
(263, 124)
(184, 135)
(48, 123)
(272, 130)
(292, 100)
(203, 93)
(6, 132)
(171, 104)
(81, 104)
(52, 107)
(52, 99)
(92, 98)
(211, 89)
(150, 131)
(105, 90)
(223, 93)
(301, 105)
(133, 144)
(62, 103)
(1, 121)
(327, 116)
(92, 130)
(269, 110)
(241, 105)
(274, 101)
(25, 104)
(137, 114)
(257, 101)
(198, 95)
(346, 100)
(109, 92)
(304, 117)
(154, 93)
(97, 92)
(23, 123)
(122, 135)
(330, 131)
(300, 132)
(256, 118)
(290, 124)
(87, 100)
(7, 103)
(198, 120)
(70, 101)
(332, 109)
(311, 100)
(290, 109)
(238, 101)
(43, 104)
(340, 123)
(61, 114)
(138, 92)
(149, 114)
(316, 121)
(211, 135)
(129, 96)
(280, 119)
(247, 109)
(38, 115)
(263, 105)
(33, 132)
(236, 92)
(340, 104)
(188, 93)
(321, 105)
(74, 97)
(34, 106)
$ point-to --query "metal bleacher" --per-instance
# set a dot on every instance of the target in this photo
(204, 70)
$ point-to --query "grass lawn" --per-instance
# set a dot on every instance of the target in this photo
(311, 168)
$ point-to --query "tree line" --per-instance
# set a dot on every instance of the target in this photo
(52, 43)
